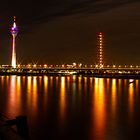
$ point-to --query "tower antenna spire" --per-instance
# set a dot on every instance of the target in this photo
(14, 18)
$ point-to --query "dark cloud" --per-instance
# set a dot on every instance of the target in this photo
(30, 13)
(36, 11)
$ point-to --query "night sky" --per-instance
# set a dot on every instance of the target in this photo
(65, 31)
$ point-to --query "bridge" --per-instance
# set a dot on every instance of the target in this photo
(92, 70)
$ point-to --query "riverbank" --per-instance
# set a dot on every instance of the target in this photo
(98, 75)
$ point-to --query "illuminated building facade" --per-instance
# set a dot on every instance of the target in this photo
(14, 32)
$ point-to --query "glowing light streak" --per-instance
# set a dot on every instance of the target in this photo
(62, 99)
(12, 100)
(34, 92)
(114, 96)
(98, 112)
(131, 97)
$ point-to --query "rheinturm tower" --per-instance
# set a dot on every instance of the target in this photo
(14, 32)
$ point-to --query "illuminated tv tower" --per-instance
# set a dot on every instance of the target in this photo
(14, 31)
(100, 50)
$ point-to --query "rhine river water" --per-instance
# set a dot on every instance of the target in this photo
(73, 107)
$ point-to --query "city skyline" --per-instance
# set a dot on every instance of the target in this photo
(73, 37)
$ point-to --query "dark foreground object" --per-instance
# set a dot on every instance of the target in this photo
(21, 124)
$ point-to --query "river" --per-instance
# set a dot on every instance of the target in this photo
(73, 107)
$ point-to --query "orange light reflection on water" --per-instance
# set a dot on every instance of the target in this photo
(18, 84)
(85, 84)
(62, 99)
(68, 82)
(45, 84)
(12, 90)
(45, 91)
(99, 109)
(29, 84)
(131, 97)
(18, 92)
(34, 92)
(79, 84)
(12, 105)
(2, 80)
(136, 86)
(113, 96)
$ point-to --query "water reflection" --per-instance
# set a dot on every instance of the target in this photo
(101, 107)
(34, 93)
(2, 81)
(68, 82)
(18, 84)
(45, 83)
(62, 98)
(113, 96)
(79, 84)
(29, 84)
(18, 92)
(85, 84)
(98, 113)
(12, 98)
(131, 96)
(137, 84)
(45, 91)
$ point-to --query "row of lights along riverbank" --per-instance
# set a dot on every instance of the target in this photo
(71, 66)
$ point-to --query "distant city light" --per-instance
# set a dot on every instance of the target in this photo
(80, 64)
(96, 66)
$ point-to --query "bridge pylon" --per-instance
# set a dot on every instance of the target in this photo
(100, 57)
